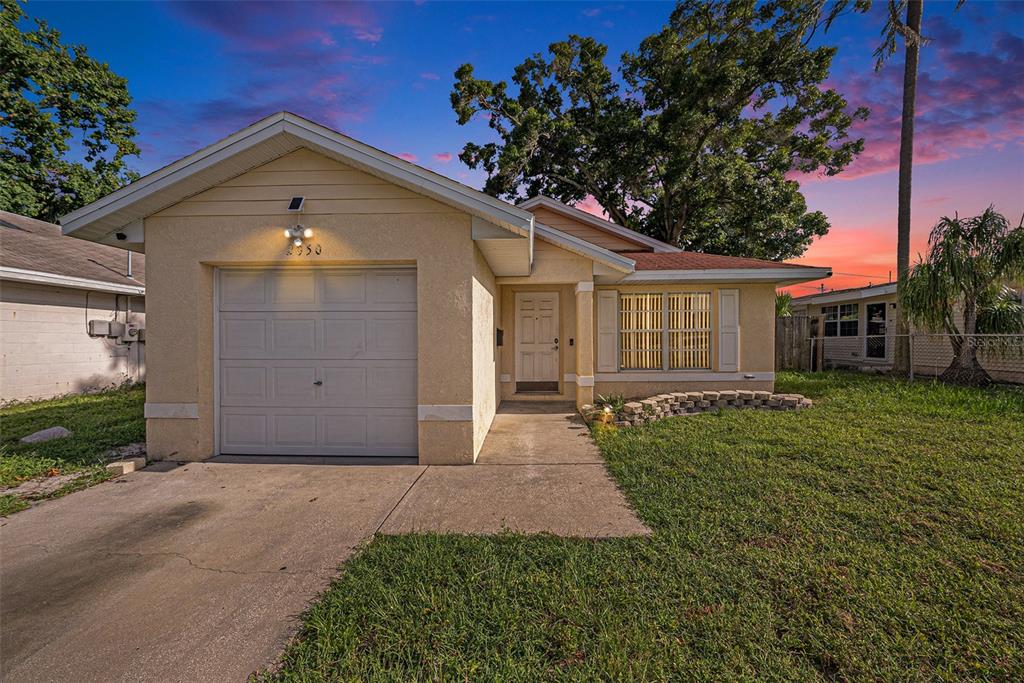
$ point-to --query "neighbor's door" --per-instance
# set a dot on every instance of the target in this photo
(537, 340)
(875, 340)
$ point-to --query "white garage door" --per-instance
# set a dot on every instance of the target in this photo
(318, 362)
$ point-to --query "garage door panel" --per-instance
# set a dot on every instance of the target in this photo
(390, 287)
(343, 287)
(295, 385)
(392, 337)
(318, 362)
(242, 288)
(244, 384)
(240, 338)
(289, 289)
(294, 430)
(352, 431)
(326, 289)
(243, 430)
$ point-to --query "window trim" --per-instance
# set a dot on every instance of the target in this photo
(665, 331)
(838, 320)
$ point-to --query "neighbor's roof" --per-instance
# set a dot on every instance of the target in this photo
(260, 143)
(845, 294)
(36, 251)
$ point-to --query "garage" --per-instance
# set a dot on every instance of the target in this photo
(317, 361)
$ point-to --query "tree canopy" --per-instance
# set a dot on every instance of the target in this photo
(57, 104)
(698, 140)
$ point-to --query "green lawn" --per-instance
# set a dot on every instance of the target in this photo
(98, 422)
(879, 535)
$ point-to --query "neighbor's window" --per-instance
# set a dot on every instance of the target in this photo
(841, 321)
(665, 331)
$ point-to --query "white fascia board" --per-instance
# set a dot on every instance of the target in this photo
(53, 279)
(833, 297)
(585, 248)
(781, 276)
(375, 161)
(599, 223)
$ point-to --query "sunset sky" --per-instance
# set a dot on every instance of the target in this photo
(382, 73)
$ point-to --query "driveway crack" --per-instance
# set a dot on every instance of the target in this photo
(204, 568)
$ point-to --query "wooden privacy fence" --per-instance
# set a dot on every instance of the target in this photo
(791, 343)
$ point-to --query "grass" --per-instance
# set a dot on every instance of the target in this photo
(879, 535)
(98, 422)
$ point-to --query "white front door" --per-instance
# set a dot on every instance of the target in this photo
(318, 362)
(537, 336)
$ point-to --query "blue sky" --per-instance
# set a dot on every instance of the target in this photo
(382, 73)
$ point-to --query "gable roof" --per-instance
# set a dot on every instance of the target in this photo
(598, 223)
(264, 141)
(576, 245)
(685, 266)
(35, 251)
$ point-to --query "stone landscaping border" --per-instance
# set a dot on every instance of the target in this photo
(670, 405)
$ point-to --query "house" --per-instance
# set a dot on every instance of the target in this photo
(51, 286)
(858, 326)
(312, 295)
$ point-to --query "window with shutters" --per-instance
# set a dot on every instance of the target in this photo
(689, 330)
(665, 330)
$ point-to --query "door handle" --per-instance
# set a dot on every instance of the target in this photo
(318, 382)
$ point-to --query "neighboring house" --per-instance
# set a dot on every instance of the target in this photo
(859, 325)
(407, 306)
(51, 286)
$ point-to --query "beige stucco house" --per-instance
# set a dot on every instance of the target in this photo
(51, 287)
(393, 309)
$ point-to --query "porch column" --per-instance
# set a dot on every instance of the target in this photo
(584, 343)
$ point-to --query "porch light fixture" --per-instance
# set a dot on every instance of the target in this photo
(298, 233)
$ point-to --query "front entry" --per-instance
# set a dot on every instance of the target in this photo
(537, 341)
(875, 339)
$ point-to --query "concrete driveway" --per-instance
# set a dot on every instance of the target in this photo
(199, 572)
(191, 573)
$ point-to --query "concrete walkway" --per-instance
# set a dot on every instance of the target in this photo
(199, 572)
(538, 472)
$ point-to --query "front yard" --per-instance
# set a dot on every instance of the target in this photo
(98, 422)
(879, 535)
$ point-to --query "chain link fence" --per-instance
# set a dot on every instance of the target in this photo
(1000, 355)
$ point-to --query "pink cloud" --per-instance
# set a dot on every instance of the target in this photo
(408, 156)
(429, 76)
(970, 102)
(443, 157)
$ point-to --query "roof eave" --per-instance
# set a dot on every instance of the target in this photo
(778, 276)
(38, 277)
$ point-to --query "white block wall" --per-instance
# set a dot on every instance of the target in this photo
(45, 348)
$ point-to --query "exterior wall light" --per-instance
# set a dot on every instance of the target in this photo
(297, 234)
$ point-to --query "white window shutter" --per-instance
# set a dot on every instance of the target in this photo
(728, 330)
(607, 330)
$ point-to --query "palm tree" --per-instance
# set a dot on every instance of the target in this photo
(783, 305)
(969, 261)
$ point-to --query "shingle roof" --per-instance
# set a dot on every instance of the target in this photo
(692, 260)
(30, 244)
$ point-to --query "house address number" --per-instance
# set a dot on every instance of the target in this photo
(304, 250)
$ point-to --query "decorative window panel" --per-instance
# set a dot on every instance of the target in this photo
(641, 331)
(665, 331)
(689, 330)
